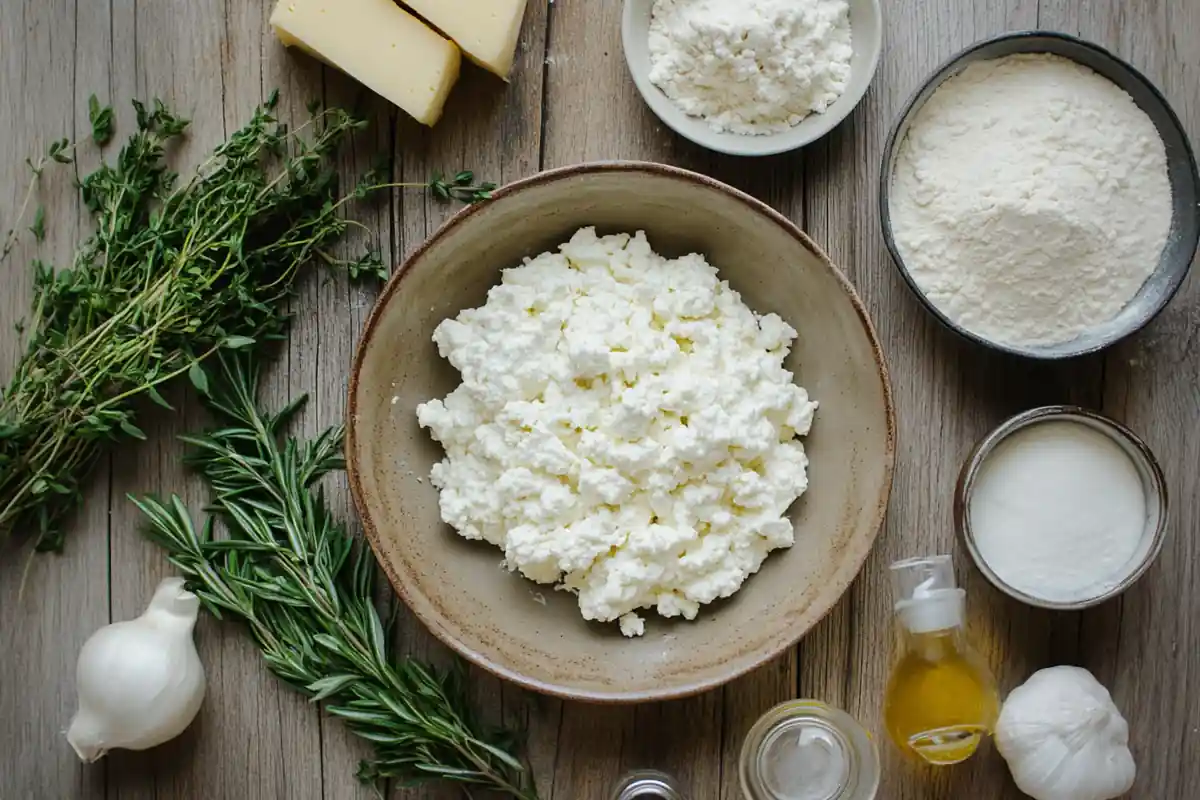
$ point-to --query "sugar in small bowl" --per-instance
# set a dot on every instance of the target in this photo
(1061, 507)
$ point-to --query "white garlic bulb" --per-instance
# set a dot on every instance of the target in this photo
(1064, 739)
(140, 682)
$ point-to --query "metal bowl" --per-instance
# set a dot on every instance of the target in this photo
(1153, 484)
(1176, 258)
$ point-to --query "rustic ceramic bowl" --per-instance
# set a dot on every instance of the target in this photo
(531, 634)
(1176, 258)
(866, 34)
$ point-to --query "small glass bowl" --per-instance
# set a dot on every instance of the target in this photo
(774, 733)
(1143, 460)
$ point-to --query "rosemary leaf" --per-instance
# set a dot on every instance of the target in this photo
(291, 572)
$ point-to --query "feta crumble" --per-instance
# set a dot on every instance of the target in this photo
(624, 428)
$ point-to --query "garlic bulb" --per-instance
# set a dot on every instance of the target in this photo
(140, 682)
(1064, 739)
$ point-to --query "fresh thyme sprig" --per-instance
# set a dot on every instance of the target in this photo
(173, 273)
(461, 187)
(292, 573)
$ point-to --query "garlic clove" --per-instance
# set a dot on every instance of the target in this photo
(140, 682)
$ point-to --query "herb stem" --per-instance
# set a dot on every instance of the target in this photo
(295, 576)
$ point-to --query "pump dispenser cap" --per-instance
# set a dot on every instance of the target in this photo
(927, 596)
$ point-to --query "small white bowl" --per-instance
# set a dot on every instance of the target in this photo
(866, 31)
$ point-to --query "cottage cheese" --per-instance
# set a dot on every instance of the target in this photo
(624, 428)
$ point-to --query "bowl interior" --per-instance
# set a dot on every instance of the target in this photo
(532, 634)
(1177, 256)
(866, 30)
(1143, 460)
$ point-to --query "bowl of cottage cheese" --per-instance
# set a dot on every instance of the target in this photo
(622, 433)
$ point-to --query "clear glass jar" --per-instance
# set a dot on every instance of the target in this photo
(647, 784)
(807, 750)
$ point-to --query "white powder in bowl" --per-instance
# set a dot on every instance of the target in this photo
(751, 66)
(1058, 511)
(1030, 199)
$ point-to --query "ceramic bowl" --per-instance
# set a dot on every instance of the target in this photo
(531, 634)
(866, 31)
(1176, 258)
(1144, 461)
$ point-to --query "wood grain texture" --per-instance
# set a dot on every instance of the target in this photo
(1146, 646)
(571, 100)
(48, 606)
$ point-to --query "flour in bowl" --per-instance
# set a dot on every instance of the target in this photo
(1030, 199)
(625, 428)
(751, 66)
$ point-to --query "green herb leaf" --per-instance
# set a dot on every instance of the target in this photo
(60, 151)
(129, 429)
(101, 119)
(38, 228)
(157, 398)
(237, 342)
(198, 377)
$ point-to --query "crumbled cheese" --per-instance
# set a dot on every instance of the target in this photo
(751, 66)
(624, 427)
(632, 624)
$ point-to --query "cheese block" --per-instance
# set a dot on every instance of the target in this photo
(486, 30)
(377, 43)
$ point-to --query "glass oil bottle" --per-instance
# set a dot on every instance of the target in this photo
(941, 699)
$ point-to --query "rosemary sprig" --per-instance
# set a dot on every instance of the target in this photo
(292, 573)
(173, 273)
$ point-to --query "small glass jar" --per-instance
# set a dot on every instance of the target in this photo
(647, 784)
(807, 750)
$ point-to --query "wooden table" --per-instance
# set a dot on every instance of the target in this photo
(571, 100)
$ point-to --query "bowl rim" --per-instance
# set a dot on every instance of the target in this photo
(1115, 430)
(844, 578)
(943, 72)
(769, 144)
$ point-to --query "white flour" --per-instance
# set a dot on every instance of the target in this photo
(1058, 511)
(1030, 199)
(751, 66)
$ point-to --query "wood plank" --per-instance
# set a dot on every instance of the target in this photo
(65, 597)
(253, 738)
(697, 740)
(328, 311)
(495, 130)
(948, 394)
(1146, 646)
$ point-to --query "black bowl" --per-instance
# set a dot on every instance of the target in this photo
(1176, 258)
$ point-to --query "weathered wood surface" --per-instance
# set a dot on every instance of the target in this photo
(571, 100)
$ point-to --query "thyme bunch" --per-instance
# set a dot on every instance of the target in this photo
(173, 273)
(294, 576)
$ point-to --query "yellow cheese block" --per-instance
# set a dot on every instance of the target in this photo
(377, 43)
(486, 30)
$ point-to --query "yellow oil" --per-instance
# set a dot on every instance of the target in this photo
(941, 700)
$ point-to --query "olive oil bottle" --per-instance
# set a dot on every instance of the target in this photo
(941, 699)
